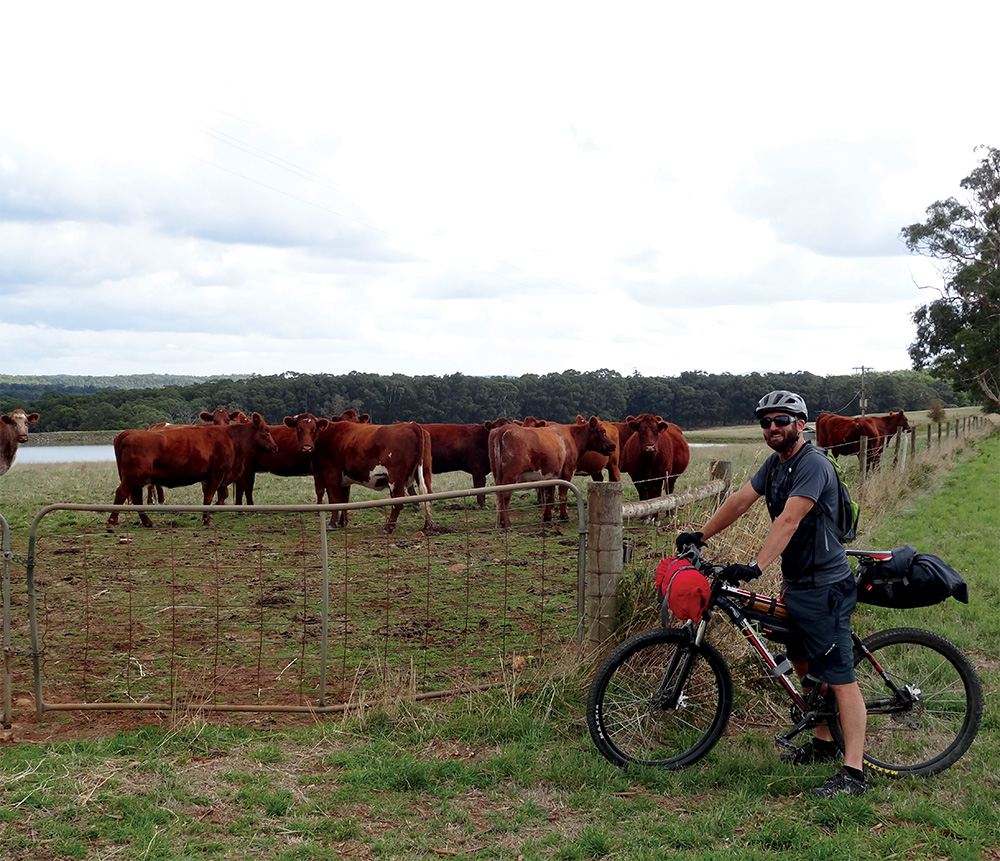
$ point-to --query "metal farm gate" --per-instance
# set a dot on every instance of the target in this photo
(267, 610)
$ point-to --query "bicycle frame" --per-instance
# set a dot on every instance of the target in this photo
(815, 707)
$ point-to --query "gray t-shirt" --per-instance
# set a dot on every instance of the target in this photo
(814, 556)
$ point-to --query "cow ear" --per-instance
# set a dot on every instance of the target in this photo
(6, 419)
(205, 416)
(258, 419)
(289, 421)
(33, 418)
(365, 418)
(322, 424)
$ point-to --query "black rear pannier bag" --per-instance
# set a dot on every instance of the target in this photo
(909, 579)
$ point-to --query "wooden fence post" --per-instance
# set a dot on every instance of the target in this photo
(604, 559)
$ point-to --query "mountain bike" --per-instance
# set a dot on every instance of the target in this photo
(664, 697)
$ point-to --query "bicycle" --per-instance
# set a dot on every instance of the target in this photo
(664, 697)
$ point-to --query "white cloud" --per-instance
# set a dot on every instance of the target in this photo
(446, 187)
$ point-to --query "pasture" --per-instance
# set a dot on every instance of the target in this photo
(510, 772)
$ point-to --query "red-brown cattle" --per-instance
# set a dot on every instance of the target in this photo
(179, 456)
(292, 455)
(594, 463)
(520, 453)
(374, 456)
(654, 455)
(887, 427)
(13, 432)
(463, 448)
(221, 416)
(842, 435)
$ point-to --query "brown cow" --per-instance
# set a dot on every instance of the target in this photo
(594, 463)
(221, 416)
(887, 427)
(179, 456)
(13, 432)
(654, 455)
(842, 434)
(463, 448)
(291, 456)
(375, 456)
(535, 453)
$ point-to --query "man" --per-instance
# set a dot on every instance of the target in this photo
(801, 490)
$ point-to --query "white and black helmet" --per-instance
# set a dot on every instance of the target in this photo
(786, 401)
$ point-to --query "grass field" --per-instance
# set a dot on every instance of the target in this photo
(511, 773)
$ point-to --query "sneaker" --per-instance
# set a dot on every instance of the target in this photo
(842, 783)
(811, 752)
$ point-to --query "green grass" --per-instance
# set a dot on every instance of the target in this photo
(512, 773)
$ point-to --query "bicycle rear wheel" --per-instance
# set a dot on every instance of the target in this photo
(659, 700)
(935, 717)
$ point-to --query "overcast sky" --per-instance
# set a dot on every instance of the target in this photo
(431, 188)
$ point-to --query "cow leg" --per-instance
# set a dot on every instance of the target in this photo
(503, 510)
(394, 514)
(121, 494)
(563, 511)
(244, 488)
(479, 480)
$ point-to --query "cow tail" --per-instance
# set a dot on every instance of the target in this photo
(421, 479)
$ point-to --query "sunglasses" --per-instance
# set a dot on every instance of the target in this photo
(780, 421)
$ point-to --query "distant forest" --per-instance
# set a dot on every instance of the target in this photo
(693, 399)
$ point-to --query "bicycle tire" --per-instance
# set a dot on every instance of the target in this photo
(625, 722)
(943, 719)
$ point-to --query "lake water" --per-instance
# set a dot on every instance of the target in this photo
(65, 454)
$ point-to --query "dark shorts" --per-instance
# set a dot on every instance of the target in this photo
(822, 617)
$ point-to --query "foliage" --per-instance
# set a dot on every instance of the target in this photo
(958, 334)
(693, 399)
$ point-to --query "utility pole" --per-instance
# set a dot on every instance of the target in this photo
(864, 400)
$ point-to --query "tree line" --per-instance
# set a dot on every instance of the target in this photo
(693, 399)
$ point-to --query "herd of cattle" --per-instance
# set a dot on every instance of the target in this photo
(348, 449)
(231, 449)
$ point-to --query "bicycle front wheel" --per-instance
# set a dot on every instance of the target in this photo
(932, 718)
(659, 700)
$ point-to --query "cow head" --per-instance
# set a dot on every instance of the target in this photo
(647, 427)
(597, 437)
(307, 428)
(262, 438)
(353, 416)
(898, 420)
(19, 421)
(221, 416)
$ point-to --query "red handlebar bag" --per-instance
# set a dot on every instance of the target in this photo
(684, 588)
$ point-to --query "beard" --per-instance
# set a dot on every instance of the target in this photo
(784, 444)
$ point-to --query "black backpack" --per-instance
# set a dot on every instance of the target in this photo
(848, 512)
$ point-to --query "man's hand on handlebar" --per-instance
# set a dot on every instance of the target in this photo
(686, 539)
(738, 573)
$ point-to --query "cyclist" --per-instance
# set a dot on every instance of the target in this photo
(800, 487)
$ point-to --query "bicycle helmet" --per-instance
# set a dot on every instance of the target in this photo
(784, 400)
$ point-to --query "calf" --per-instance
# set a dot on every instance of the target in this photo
(179, 456)
(519, 453)
(13, 432)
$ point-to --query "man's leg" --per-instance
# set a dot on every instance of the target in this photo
(853, 722)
